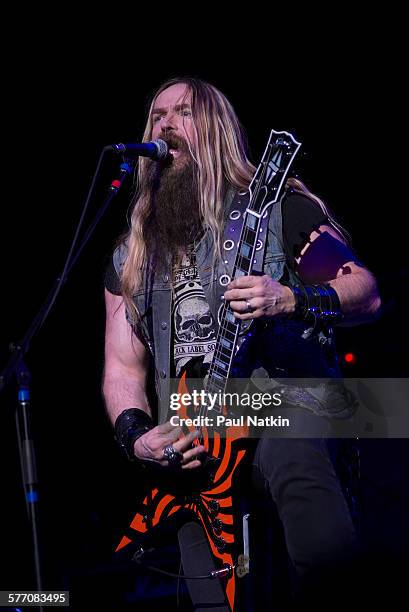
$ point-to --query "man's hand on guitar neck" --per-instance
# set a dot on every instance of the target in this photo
(251, 297)
(151, 445)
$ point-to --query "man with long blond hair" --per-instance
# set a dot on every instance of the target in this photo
(161, 306)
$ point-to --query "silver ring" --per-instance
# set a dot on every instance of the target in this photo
(173, 456)
(249, 308)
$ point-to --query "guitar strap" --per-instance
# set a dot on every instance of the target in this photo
(231, 239)
(233, 229)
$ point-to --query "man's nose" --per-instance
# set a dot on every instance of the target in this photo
(168, 122)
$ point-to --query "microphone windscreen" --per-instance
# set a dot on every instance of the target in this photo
(162, 148)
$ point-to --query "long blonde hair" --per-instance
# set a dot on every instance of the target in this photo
(220, 155)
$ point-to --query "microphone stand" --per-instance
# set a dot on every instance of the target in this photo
(18, 369)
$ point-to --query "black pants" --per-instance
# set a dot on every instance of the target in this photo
(299, 476)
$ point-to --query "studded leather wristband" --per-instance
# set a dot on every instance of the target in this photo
(317, 302)
(130, 425)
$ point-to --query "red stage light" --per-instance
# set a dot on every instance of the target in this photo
(350, 358)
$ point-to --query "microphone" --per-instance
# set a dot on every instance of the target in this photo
(157, 149)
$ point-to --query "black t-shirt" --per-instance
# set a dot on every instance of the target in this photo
(301, 216)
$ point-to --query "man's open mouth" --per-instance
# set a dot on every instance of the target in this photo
(176, 148)
(173, 146)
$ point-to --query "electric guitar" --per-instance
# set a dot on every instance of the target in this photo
(208, 494)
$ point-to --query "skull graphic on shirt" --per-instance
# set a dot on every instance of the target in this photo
(193, 320)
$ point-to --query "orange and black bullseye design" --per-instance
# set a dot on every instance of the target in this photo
(213, 504)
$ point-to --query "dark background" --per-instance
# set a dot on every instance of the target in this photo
(65, 100)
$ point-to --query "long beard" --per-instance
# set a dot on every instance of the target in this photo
(175, 218)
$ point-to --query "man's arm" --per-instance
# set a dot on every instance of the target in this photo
(126, 362)
(324, 259)
(124, 386)
(327, 259)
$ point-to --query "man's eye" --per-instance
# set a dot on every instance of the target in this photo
(186, 113)
(156, 118)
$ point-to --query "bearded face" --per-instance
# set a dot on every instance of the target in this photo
(175, 219)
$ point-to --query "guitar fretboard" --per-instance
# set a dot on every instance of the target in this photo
(230, 326)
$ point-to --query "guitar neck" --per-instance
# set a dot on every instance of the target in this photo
(265, 189)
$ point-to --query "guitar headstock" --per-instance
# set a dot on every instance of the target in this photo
(270, 176)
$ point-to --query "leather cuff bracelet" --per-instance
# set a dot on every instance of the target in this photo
(317, 302)
(130, 425)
